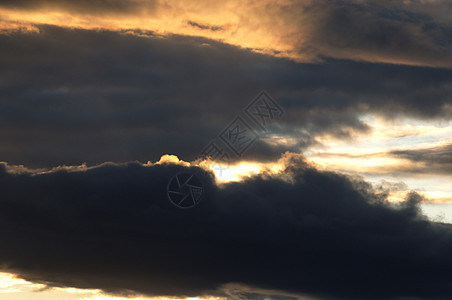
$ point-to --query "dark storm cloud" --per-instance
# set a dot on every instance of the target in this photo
(307, 232)
(69, 96)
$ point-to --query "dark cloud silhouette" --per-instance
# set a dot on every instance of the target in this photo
(74, 96)
(320, 234)
(204, 26)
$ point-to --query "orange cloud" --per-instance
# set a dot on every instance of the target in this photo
(7, 26)
(303, 30)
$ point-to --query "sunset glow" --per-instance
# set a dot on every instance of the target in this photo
(225, 150)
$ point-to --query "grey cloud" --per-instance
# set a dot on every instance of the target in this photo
(74, 96)
(435, 160)
(324, 235)
(204, 26)
(378, 32)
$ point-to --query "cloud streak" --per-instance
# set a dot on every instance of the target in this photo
(436, 160)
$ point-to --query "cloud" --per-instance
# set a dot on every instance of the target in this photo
(74, 96)
(433, 160)
(89, 7)
(204, 26)
(378, 32)
(7, 27)
(302, 232)
(408, 32)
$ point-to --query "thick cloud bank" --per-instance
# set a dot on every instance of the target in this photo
(74, 96)
(302, 232)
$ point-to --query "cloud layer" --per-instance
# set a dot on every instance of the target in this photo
(399, 32)
(74, 96)
(304, 231)
(435, 160)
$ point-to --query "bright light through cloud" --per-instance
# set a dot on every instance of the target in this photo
(370, 155)
(236, 172)
(11, 284)
(13, 288)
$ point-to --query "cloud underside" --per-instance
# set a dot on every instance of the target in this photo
(303, 231)
(74, 96)
(408, 32)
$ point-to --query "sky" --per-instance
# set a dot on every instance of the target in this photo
(272, 149)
